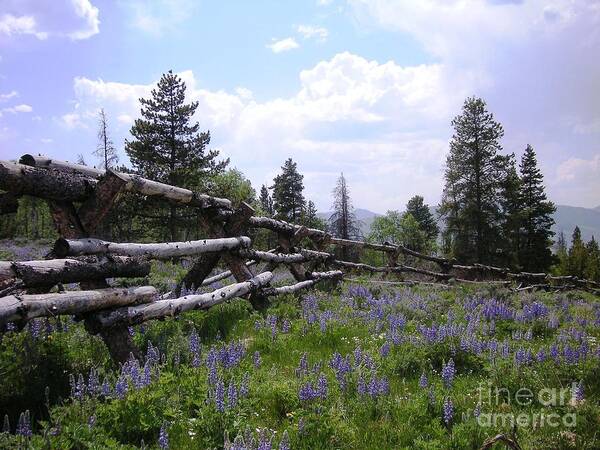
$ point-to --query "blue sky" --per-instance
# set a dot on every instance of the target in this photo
(364, 87)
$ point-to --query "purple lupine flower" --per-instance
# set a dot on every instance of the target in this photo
(131, 331)
(272, 323)
(194, 345)
(92, 421)
(105, 389)
(232, 395)
(93, 386)
(35, 327)
(256, 359)
(541, 355)
(220, 395)
(147, 375)
(431, 396)
(265, 442)
(284, 444)
(448, 372)
(477, 410)
(322, 387)
(306, 393)
(301, 425)
(244, 385)
(448, 410)
(257, 325)
(385, 349)
(579, 393)
(24, 425)
(79, 388)
(163, 437)
(361, 386)
(302, 368)
(121, 387)
(286, 326)
(423, 382)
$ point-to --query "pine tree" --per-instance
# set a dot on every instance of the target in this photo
(310, 218)
(592, 266)
(422, 214)
(343, 223)
(106, 150)
(288, 201)
(511, 213)
(536, 215)
(472, 191)
(562, 254)
(168, 147)
(576, 260)
(266, 202)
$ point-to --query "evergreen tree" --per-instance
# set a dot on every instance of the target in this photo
(510, 204)
(422, 214)
(266, 202)
(397, 228)
(106, 150)
(576, 261)
(310, 218)
(592, 266)
(536, 216)
(343, 223)
(472, 191)
(288, 201)
(168, 147)
(562, 254)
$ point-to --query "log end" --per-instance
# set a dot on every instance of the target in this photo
(27, 160)
(61, 248)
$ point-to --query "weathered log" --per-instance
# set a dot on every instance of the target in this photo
(223, 275)
(135, 183)
(95, 208)
(21, 308)
(284, 258)
(50, 272)
(173, 307)
(66, 220)
(49, 184)
(285, 228)
(315, 277)
(388, 269)
(76, 247)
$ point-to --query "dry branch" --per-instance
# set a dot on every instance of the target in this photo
(75, 247)
(315, 278)
(50, 272)
(21, 308)
(172, 307)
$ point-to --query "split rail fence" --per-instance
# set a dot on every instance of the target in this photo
(78, 257)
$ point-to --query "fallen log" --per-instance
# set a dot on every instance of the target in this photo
(75, 247)
(21, 308)
(53, 271)
(135, 183)
(284, 258)
(286, 228)
(52, 184)
(173, 307)
(315, 278)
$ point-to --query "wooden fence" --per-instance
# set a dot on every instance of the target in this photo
(77, 257)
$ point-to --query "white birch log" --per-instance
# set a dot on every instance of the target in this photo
(76, 247)
(48, 272)
(172, 307)
(26, 307)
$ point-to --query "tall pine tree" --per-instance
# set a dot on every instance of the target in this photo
(106, 150)
(472, 191)
(577, 259)
(536, 217)
(592, 265)
(288, 201)
(510, 203)
(343, 223)
(168, 147)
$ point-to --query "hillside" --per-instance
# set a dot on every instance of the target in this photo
(566, 218)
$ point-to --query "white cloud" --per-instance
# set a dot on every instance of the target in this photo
(46, 140)
(11, 94)
(283, 45)
(74, 19)
(160, 16)
(72, 120)
(310, 32)
(578, 181)
(22, 108)
(13, 25)
(349, 114)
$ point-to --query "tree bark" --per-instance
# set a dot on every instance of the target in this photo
(47, 273)
(76, 247)
(22, 308)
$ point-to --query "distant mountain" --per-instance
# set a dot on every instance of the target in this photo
(566, 218)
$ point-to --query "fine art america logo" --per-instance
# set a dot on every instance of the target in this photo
(545, 406)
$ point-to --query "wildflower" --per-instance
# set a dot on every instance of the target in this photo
(256, 359)
(91, 421)
(284, 444)
(286, 326)
(244, 385)
(232, 395)
(423, 382)
(448, 372)
(579, 393)
(24, 425)
(385, 349)
(105, 389)
(301, 425)
(194, 345)
(322, 388)
(361, 387)
(448, 410)
(121, 387)
(220, 396)
(477, 411)
(163, 437)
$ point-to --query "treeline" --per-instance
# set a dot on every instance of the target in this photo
(580, 259)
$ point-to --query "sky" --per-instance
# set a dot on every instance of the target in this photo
(364, 87)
